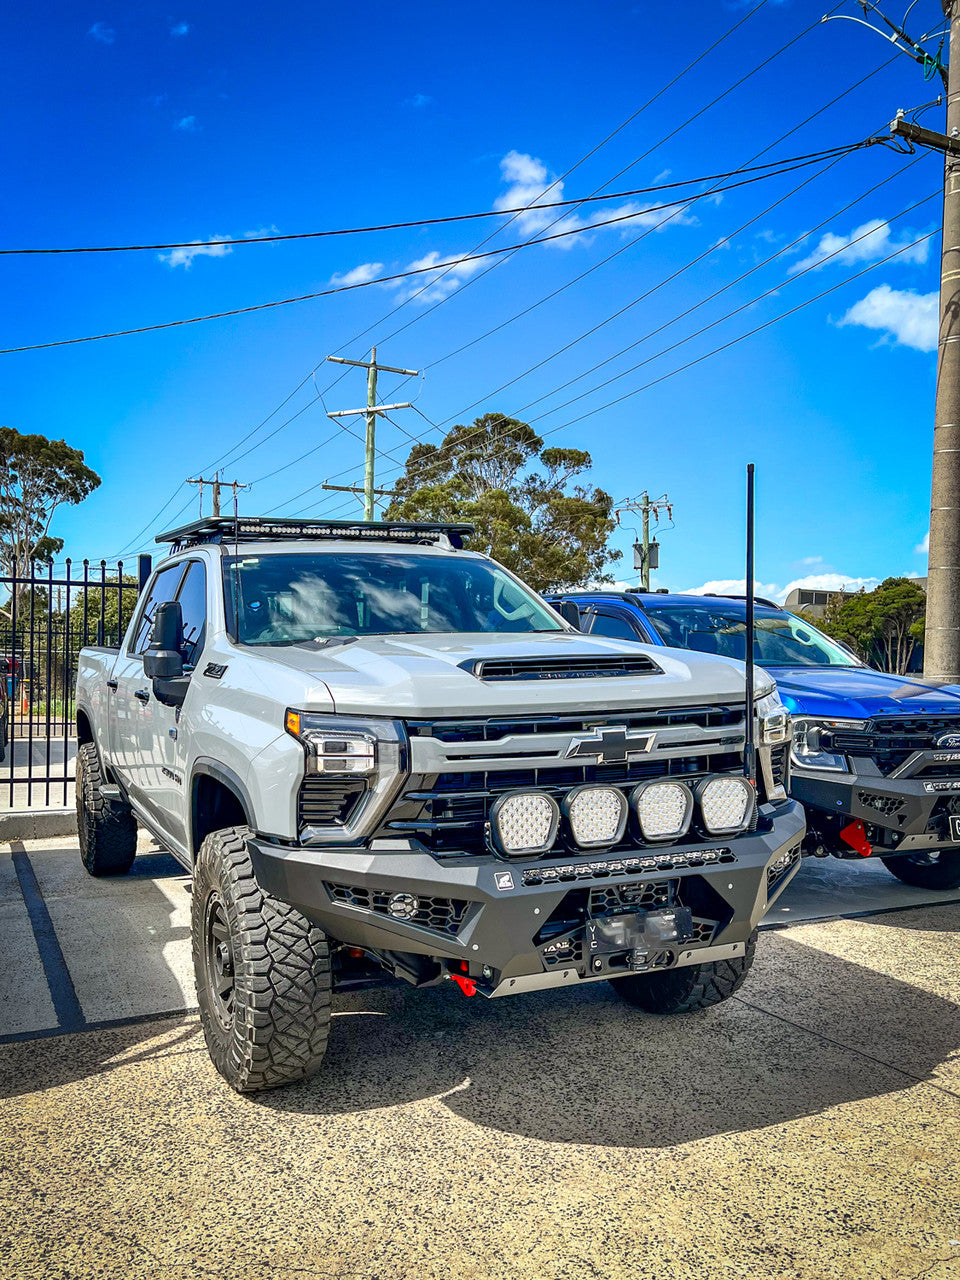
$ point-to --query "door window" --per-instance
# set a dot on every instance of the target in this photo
(193, 602)
(162, 589)
(613, 625)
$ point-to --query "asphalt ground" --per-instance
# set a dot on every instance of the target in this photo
(806, 1128)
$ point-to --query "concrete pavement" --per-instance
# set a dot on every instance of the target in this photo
(807, 1128)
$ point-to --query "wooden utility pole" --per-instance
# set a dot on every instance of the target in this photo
(646, 553)
(371, 411)
(216, 485)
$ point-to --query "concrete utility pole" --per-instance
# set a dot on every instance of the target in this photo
(371, 411)
(941, 655)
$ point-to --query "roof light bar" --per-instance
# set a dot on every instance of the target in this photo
(215, 529)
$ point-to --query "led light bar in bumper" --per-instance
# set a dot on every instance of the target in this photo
(596, 816)
(524, 823)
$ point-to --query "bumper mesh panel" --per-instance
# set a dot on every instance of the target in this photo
(445, 915)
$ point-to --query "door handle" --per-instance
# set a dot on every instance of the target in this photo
(142, 694)
(111, 684)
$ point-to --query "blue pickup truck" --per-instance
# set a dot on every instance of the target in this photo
(875, 758)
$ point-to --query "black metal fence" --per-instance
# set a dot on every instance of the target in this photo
(47, 615)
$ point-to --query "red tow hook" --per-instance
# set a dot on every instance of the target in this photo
(466, 985)
(855, 835)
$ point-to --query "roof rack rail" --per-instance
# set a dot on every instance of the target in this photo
(632, 596)
(216, 529)
(729, 595)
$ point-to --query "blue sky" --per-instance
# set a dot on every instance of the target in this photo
(150, 123)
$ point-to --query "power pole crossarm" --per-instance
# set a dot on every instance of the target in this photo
(921, 137)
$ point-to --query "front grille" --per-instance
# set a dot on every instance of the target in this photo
(600, 668)
(496, 729)
(445, 915)
(325, 802)
(890, 740)
(778, 764)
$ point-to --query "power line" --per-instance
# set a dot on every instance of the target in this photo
(817, 158)
(534, 207)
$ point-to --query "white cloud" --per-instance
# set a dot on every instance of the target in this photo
(361, 274)
(811, 582)
(180, 29)
(923, 548)
(865, 243)
(439, 284)
(103, 32)
(211, 248)
(812, 560)
(906, 316)
(187, 124)
(418, 100)
(529, 183)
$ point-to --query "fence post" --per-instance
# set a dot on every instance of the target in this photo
(144, 569)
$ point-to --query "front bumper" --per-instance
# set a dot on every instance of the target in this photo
(502, 917)
(907, 812)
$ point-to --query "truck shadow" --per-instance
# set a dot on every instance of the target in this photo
(584, 1067)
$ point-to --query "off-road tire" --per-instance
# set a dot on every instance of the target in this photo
(696, 986)
(107, 828)
(272, 1028)
(942, 871)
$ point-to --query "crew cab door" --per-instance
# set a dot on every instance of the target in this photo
(161, 755)
(130, 692)
(615, 623)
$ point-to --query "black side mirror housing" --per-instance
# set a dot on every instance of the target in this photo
(163, 658)
(569, 612)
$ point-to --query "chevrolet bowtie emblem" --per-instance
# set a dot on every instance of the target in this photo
(611, 745)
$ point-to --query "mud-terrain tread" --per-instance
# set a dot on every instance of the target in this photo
(282, 974)
(696, 986)
(107, 829)
(942, 874)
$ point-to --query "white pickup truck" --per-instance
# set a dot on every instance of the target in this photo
(380, 754)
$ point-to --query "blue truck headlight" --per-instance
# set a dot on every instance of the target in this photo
(663, 809)
(813, 744)
(597, 816)
(524, 823)
(727, 803)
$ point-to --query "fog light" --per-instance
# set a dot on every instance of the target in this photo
(524, 822)
(403, 906)
(726, 805)
(663, 809)
(597, 815)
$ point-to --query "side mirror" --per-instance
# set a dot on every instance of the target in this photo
(569, 612)
(163, 658)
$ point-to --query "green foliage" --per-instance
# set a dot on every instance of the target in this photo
(36, 476)
(881, 626)
(551, 534)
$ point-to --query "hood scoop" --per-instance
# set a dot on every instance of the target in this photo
(600, 667)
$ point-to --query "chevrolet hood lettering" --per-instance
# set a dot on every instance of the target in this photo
(611, 745)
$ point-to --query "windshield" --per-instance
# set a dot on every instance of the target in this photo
(292, 598)
(779, 639)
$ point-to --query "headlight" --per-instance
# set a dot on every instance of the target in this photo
(663, 809)
(597, 815)
(334, 746)
(524, 823)
(813, 744)
(727, 804)
(773, 718)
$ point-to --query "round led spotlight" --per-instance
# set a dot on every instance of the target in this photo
(663, 809)
(524, 823)
(727, 804)
(597, 816)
